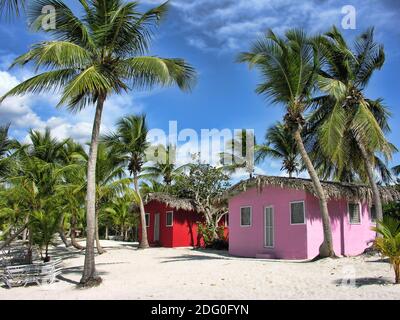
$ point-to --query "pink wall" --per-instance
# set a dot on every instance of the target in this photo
(290, 240)
(348, 239)
(293, 241)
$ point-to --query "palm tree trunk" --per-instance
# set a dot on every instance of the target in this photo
(13, 237)
(25, 232)
(100, 250)
(144, 243)
(64, 239)
(61, 232)
(375, 191)
(326, 248)
(74, 243)
(106, 232)
(89, 276)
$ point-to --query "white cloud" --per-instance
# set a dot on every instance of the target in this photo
(227, 25)
(26, 112)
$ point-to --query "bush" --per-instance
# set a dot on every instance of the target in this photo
(207, 233)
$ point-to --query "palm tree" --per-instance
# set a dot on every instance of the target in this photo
(240, 153)
(396, 170)
(165, 165)
(352, 127)
(72, 191)
(152, 186)
(280, 145)
(6, 145)
(130, 141)
(288, 66)
(11, 7)
(92, 57)
(389, 242)
(120, 211)
(110, 181)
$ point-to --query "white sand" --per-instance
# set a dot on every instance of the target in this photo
(161, 273)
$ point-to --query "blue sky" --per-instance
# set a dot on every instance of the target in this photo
(209, 34)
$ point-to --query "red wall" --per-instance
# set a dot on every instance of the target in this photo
(183, 233)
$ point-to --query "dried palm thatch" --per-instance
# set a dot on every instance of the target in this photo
(171, 201)
(333, 190)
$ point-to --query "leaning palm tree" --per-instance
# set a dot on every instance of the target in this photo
(288, 66)
(130, 141)
(353, 127)
(92, 57)
(280, 145)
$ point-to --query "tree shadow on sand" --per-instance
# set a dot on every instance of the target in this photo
(191, 257)
(366, 281)
(79, 269)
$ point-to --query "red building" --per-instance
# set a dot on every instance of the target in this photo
(172, 222)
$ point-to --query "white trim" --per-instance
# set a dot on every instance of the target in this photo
(304, 213)
(166, 219)
(251, 216)
(359, 212)
(147, 214)
(273, 227)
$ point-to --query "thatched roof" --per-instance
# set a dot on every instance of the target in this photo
(171, 201)
(334, 190)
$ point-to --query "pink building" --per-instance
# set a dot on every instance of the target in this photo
(276, 217)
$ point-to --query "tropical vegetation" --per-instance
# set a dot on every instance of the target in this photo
(389, 243)
(58, 188)
(92, 57)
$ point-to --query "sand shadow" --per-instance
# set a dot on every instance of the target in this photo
(379, 260)
(190, 257)
(361, 282)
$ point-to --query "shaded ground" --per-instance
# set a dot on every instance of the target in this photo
(161, 273)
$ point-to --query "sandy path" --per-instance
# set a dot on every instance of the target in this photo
(161, 273)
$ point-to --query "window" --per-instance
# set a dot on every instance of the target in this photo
(297, 213)
(147, 216)
(269, 227)
(170, 219)
(354, 213)
(372, 213)
(245, 217)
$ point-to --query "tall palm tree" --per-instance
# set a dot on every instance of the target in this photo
(353, 127)
(288, 66)
(239, 153)
(130, 141)
(280, 144)
(92, 57)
